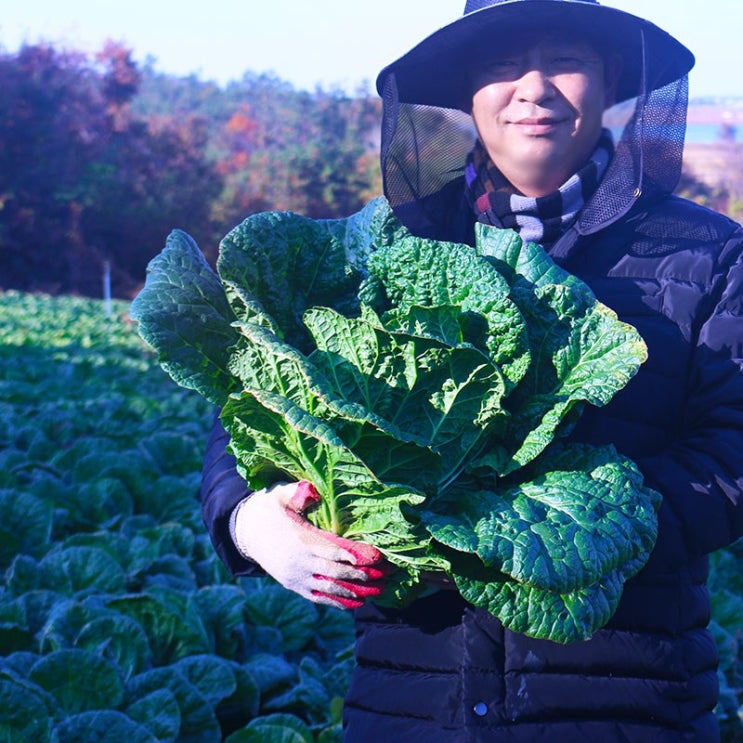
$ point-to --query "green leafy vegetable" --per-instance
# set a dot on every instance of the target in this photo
(425, 389)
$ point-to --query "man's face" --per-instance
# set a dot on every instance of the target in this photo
(538, 109)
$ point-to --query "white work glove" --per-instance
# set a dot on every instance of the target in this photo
(269, 527)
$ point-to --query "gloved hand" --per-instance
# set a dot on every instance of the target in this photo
(269, 527)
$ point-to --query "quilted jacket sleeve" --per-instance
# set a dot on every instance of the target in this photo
(701, 474)
(222, 489)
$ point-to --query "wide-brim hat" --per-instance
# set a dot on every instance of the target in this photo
(435, 72)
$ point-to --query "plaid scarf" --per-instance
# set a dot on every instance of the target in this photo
(539, 219)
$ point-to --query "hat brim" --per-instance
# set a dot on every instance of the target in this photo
(435, 72)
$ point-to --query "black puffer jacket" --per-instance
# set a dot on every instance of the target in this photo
(443, 672)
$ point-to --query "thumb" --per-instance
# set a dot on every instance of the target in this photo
(296, 497)
(305, 495)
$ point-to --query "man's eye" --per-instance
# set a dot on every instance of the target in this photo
(501, 66)
(567, 62)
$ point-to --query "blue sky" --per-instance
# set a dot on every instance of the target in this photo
(328, 42)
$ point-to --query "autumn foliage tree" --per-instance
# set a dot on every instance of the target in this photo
(315, 153)
(322, 161)
(83, 182)
(100, 159)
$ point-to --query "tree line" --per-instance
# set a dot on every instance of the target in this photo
(101, 157)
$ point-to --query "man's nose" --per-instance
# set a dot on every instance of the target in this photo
(535, 86)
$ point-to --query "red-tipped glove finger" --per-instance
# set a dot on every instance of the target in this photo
(347, 594)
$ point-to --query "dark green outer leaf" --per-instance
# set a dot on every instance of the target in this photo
(159, 713)
(581, 352)
(117, 637)
(79, 680)
(88, 626)
(583, 516)
(221, 610)
(275, 728)
(271, 606)
(559, 617)
(101, 726)
(287, 263)
(184, 315)
(77, 571)
(23, 713)
(198, 720)
(587, 358)
(173, 626)
(25, 525)
(210, 675)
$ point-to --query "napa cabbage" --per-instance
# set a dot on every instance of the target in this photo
(426, 389)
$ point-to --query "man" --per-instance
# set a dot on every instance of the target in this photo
(535, 77)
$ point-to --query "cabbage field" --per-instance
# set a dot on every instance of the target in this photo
(117, 620)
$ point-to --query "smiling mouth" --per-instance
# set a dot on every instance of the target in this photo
(537, 126)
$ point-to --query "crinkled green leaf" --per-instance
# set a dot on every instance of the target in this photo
(271, 672)
(25, 525)
(118, 637)
(271, 606)
(221, 609)
(37, 605)
(587, 357)
(104, 501)
(159, 713)
(559, 617)
(77, 571)
(582, 516)
(275, 728)
(286, 263)
(198, 720)
(184, 315)
(335, 631)
(525, 260)
(22, 576)
(447, 397)
(308, 697)
(211, 675)
(245, 701)
(23, 714)
(89, 626)
(581, 353)
(171, 622)
(415, 272)
(265, 363)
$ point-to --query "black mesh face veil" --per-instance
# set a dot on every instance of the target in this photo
(424, 149)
